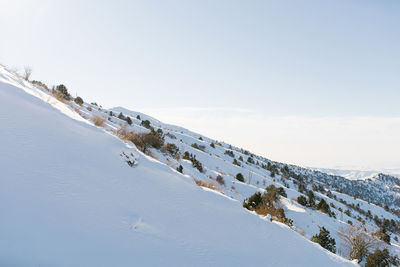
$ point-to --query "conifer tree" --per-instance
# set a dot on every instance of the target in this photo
(325, 240)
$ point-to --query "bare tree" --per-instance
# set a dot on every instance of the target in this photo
(27, 72)
(357, 242)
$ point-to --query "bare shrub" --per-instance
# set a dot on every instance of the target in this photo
(27, 73)
(357, 242)
(98, 120)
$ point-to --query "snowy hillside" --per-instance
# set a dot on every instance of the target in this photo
(73, 194)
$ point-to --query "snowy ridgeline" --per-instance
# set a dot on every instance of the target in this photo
(74, 195)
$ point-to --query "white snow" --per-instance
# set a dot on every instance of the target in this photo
(67, 198)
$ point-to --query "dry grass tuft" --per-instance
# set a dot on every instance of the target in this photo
(209, 184)
(98, 120)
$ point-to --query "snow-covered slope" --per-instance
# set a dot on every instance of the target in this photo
(68, 198)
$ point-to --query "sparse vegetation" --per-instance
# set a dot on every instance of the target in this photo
(195, 163)
(209, 184)
(171, 149)
(98, 120)
(229, 153)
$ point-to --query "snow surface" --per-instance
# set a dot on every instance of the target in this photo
(67, 198)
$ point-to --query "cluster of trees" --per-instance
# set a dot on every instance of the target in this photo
(267, 203)
(61, 92)
(195, 163)
(229, 153)
(381, 258)
(124, 118)
(250, 160)
(199, 147)
(322, 206)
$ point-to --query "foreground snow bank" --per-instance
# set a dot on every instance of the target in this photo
(67, 198)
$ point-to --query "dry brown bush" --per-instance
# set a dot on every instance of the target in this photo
(59, 96)
(125, 134)
(209, 184)
(300, 231)
(98, 120)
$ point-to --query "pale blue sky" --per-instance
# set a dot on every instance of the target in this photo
(246, 60)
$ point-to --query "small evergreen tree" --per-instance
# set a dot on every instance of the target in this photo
(138, 117)
(240, 177)
(311, 198)
(146, 124)
(323, 206)
(179, 168)
(212, 145)
(78, 100)
(129, 120)
(282, 192)
(253, 201)
(121, 116)
(381, 234)
(235, 162)
(302, 200)
(325, 240)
